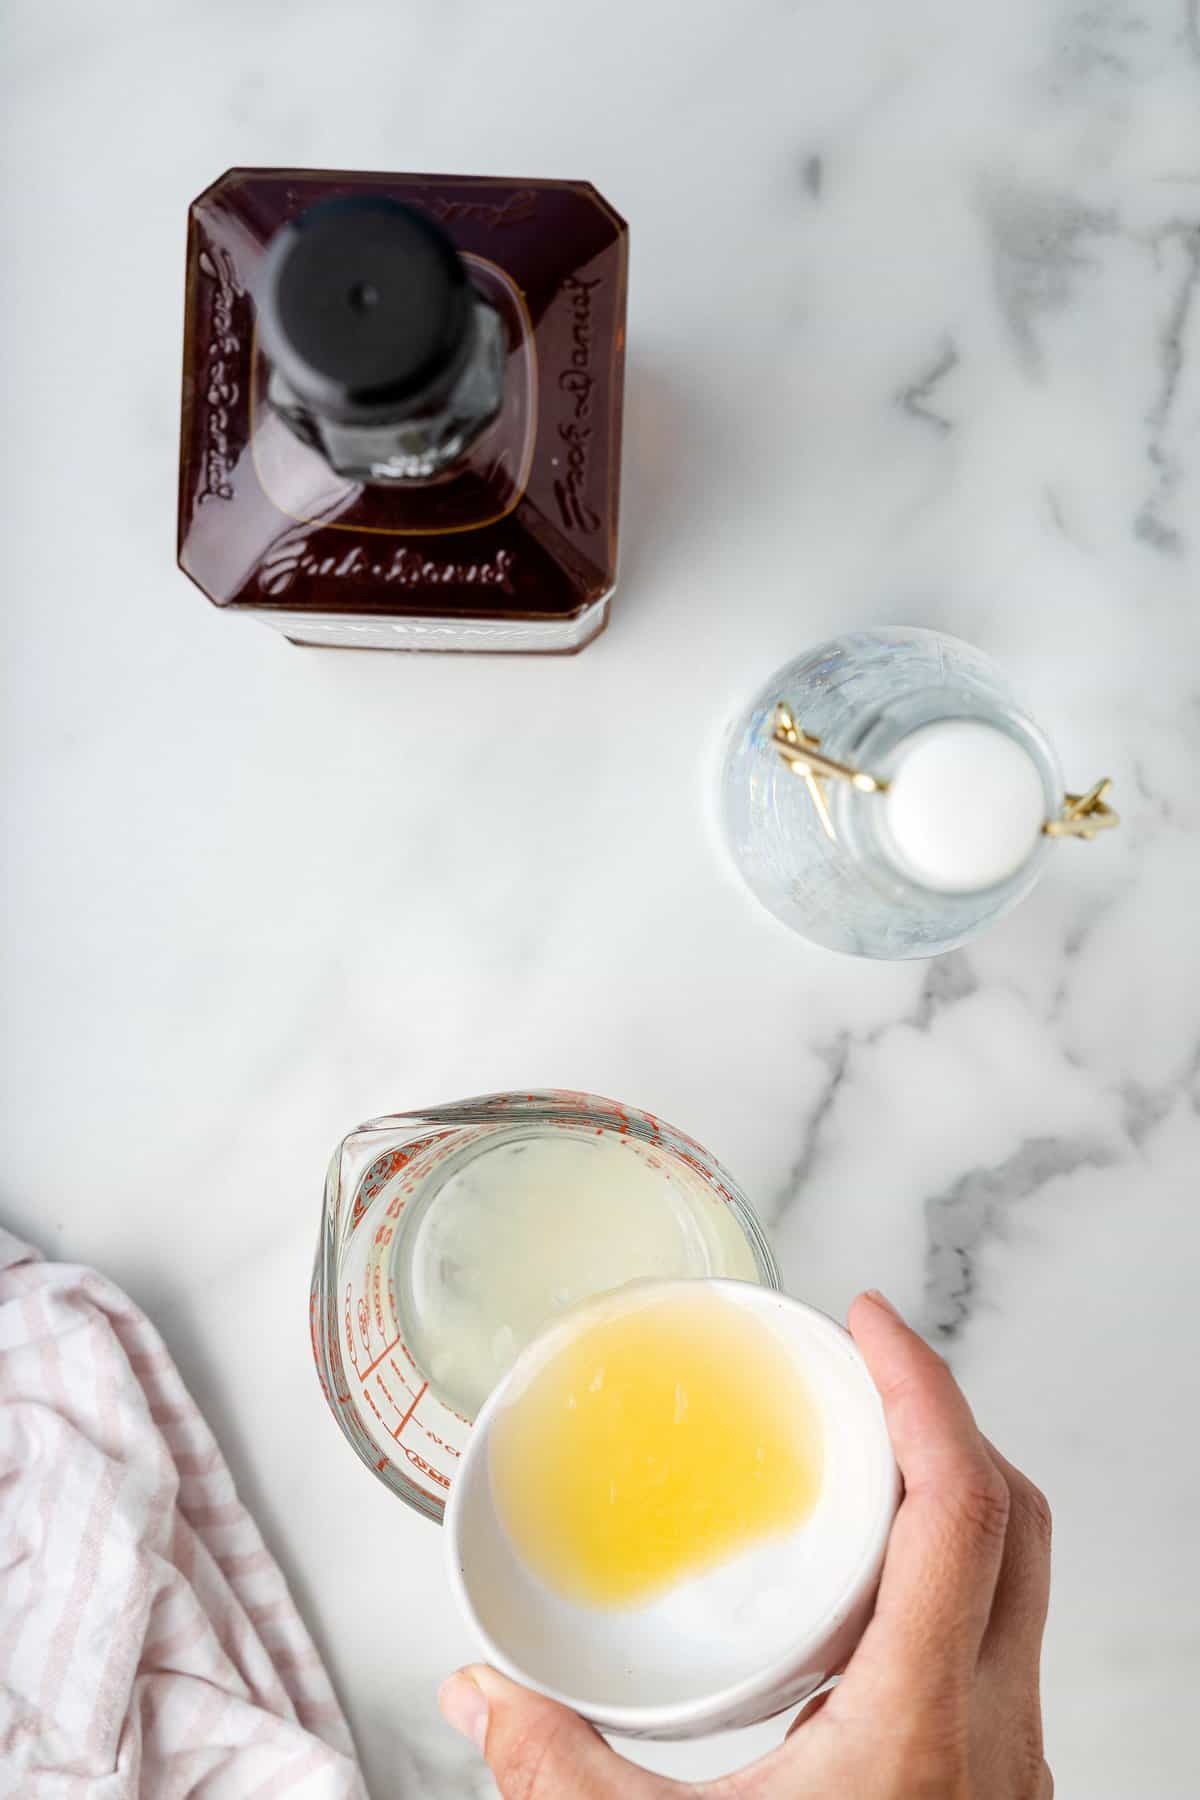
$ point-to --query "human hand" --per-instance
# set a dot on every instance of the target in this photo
(940, 1700)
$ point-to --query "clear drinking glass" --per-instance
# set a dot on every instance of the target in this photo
(379, 1248)
(839, 882)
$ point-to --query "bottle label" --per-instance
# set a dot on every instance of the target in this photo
(353, 632)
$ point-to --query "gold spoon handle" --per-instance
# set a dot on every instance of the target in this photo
(1082, 816)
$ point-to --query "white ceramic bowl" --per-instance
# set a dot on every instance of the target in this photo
(745, 1641)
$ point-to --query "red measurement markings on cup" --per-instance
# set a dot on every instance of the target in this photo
(386, 1351)
(399, 1431)
(403, 1413)
(418, 1462)
(441, 1442)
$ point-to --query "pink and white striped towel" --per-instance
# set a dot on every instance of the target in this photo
(148, 1643)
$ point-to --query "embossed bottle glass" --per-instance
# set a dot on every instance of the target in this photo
(829, 864)
(402, 406)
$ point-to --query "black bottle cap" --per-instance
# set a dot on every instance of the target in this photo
(365, 309)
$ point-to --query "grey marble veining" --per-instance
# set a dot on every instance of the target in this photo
(957, 1220)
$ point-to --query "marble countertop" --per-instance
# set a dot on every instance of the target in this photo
(914, 337)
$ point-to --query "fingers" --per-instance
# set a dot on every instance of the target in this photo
(945, 1551)
(1018, 1619)
(536, 1749)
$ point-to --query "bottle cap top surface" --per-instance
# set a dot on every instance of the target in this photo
(365, 308)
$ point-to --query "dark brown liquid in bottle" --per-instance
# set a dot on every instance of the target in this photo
(514, 547)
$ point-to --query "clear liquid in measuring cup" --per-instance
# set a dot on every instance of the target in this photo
(521, 1230)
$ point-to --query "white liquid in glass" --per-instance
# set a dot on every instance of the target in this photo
(523, 1230)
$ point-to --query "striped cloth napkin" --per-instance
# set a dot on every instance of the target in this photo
(148, 1643)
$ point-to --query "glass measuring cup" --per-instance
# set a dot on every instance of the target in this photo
(384, 1182)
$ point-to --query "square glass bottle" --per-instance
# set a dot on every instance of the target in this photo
(402, 400)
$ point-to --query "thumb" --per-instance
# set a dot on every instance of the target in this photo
(536, 1749)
